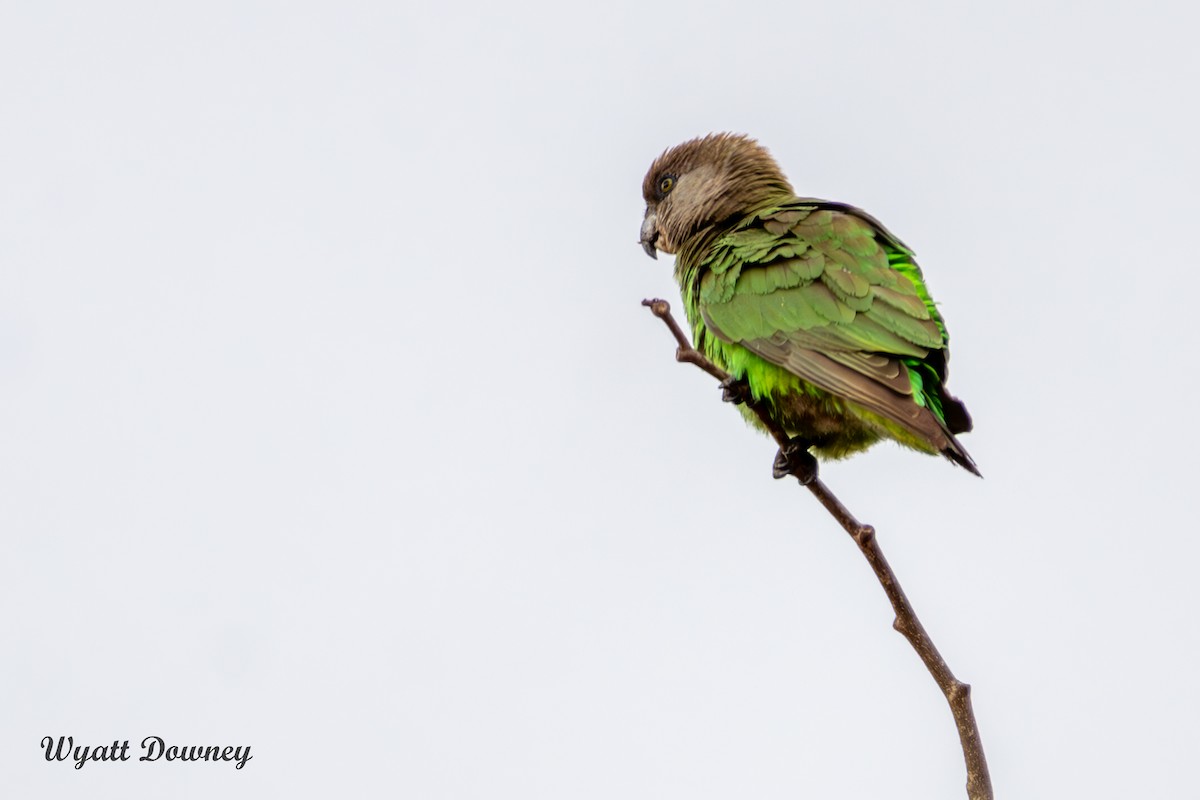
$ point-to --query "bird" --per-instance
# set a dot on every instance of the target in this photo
(819, 314)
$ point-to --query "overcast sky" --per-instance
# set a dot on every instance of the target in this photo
(331, 424)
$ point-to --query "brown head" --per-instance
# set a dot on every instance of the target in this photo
(703, 183)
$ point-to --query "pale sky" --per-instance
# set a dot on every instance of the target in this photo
(331, 423)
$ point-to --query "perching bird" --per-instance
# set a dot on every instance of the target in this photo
(813, 305)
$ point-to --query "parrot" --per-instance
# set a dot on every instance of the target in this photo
(818, 313)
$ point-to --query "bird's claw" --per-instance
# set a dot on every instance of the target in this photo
(794, 459)
(735, 390)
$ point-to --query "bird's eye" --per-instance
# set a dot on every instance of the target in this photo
(666, 184)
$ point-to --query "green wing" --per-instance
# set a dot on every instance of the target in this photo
(826, 292)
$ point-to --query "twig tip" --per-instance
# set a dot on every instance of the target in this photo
(659, 307)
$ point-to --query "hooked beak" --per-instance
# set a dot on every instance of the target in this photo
(650, 233)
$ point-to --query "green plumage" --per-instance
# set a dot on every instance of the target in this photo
(826, 316)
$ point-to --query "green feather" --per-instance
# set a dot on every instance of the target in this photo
(827, 317)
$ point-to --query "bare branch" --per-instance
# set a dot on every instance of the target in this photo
(958, 694)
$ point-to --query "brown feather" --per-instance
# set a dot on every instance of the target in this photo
(721, 176)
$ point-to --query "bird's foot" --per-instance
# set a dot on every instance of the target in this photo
(794, 459)
(735, 390)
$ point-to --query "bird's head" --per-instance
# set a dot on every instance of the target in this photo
(703, 183)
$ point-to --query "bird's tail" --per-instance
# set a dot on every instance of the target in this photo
(958, 454)
(957, 420)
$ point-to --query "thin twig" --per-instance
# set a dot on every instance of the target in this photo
(958, 694)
